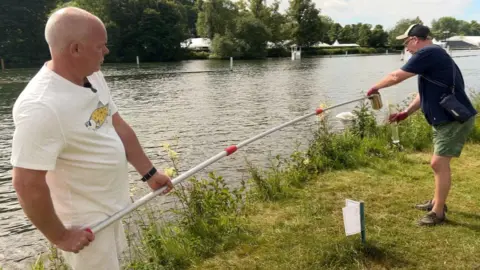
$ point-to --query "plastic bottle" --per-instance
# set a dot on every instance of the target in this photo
(395, 137)
(394, 125)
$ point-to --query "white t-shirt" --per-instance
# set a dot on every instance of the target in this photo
(67, 130)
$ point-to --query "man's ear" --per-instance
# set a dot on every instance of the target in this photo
(74, 49)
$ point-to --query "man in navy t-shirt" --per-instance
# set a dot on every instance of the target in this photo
(438, 74)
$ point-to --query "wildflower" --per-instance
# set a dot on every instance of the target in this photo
(172, 154)
(170, 172)
(166, 146)
(322, 116)
(306, 161)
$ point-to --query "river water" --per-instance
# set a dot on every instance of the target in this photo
(207, 112)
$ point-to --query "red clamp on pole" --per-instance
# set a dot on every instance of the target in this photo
(319, 111)
(231, 149)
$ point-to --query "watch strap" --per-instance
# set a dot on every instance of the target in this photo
(149, 174)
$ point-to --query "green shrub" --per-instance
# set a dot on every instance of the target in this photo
(212, 215)
(196, 55)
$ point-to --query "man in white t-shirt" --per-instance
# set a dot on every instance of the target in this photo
(71, 148)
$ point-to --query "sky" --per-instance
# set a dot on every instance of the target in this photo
(388, 12)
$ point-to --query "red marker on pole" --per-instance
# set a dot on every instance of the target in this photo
(226, 152)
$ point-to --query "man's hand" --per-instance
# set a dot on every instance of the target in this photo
(372, 91)
(136, 156)
(159, 180)
(398, 116)
(74, 240)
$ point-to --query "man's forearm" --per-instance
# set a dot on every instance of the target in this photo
(389, 80)
(393, 78)
(134, 151)
(414, 105)
(38, 207)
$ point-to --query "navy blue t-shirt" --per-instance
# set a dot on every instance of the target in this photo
(434, 63)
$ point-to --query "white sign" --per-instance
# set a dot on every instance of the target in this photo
(351, 217)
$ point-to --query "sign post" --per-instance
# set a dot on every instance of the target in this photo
(354, 218)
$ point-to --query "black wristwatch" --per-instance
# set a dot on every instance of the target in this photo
(149, 174)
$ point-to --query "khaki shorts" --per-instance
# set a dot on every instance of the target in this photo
(103, 253)
(449, 138)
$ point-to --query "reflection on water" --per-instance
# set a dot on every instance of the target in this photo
(208, 112)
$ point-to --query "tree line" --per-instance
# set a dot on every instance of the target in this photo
(154, 29)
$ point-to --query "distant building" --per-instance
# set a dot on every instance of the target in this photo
(197, 44)
(337, 44)
(321, 45)
(463, 42)
(280, 44)
(440, 43)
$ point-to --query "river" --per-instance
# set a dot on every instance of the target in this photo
(207, 112)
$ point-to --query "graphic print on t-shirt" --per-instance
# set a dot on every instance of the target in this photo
(98, 117)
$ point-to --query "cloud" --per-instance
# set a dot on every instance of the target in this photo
(336, 4)
(388, 12)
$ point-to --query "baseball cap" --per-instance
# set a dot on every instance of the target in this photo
(415, 30)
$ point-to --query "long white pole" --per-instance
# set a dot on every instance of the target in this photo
(228, 151)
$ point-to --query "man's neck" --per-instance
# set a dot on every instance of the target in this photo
(427, 43)
(65, 70)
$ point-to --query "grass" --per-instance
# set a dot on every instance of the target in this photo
(289, 215)
(307, 232)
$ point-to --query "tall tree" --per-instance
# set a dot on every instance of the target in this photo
(252, 36)
(334, 33)
(306, 22)
(326, 25)
(276, 22)
(474, 28)
(400, 27)
(347, 35)
(364, 35)
(215, 17)
(96, 7)
(191, 16)
(258, 9)
(379, 37)
(22, 26)
(445, 27)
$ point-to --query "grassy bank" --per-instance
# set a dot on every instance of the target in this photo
(306, 52)
(203, 55)
(306, 231)
(288, 216)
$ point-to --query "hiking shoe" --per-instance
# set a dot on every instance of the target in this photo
(428, 206)
(430, 219)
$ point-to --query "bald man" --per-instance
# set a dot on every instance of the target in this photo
(71, 148)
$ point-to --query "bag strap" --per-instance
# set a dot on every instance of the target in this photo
(442, 84)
